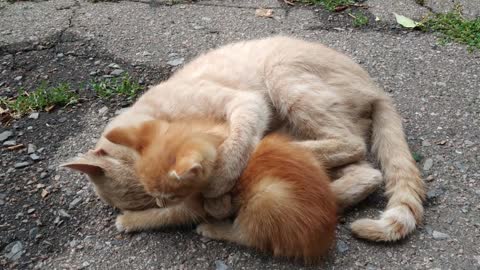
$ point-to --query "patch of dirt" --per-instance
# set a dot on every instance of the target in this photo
(37, 210)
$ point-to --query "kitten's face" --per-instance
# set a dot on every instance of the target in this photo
(174, 162)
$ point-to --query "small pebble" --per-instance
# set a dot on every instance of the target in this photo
(34, 157)
(440, 236)
(103, 110)
(63, 213)
(19, 165)
(5, 135)
(117, 72)
(176, 62)
(9, 143)
(342, 247)
(34, 115)
(428, 164)
(220, 265)
(74, 202)
(16, 250)
(31, 148)
(33, 233)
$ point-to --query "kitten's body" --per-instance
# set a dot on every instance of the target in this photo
(324, 100)
(282, 200)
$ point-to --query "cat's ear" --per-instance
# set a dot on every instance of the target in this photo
(86, 166)
(129, 137)
(187, 171)
(133, 137)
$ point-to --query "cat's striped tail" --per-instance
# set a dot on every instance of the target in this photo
(404, 186)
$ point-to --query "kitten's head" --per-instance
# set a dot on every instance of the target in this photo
(175, 160)
(110, 168)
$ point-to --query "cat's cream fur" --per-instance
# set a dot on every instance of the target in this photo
(321, 96)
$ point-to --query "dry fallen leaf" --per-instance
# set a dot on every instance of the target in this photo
(341, 8)
(264, 12)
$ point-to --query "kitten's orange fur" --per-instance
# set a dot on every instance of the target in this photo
(282, 200)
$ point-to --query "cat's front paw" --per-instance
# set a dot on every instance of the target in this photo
(205, 230)
(122, 224)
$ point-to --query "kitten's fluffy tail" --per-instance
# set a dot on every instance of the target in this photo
(404, 186)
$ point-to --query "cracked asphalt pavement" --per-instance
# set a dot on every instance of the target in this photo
(51, 219)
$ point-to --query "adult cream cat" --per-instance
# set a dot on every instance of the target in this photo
(316, 93)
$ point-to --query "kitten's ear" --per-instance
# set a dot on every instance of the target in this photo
(86, 166)
(186, 171)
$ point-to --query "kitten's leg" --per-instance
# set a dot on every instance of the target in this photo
(354, 183)
(221, 231)
(155, 218)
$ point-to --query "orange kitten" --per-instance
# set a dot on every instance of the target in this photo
(283, 202)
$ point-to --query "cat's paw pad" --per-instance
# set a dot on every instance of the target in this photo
(205, 230)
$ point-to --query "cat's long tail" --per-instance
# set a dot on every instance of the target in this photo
(404, 186)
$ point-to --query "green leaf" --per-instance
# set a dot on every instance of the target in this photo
(405, 22)
(417, 157)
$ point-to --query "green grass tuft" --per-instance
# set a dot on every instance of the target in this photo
(329, 4)
(359, 20)
(39, 99)
(123, 86)
(452, 26)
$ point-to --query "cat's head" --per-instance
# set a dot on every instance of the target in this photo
(175, 160)
(110, 168)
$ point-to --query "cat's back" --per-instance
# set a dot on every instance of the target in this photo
(277, 155)
(289, 189)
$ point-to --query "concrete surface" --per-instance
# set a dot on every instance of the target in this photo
(436, 89)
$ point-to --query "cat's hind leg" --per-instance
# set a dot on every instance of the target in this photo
(354, 183)
(318, 117)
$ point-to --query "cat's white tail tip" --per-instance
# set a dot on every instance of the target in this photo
(394, 224)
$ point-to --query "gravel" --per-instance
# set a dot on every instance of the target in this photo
(434, 87)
